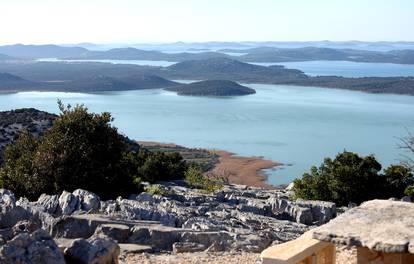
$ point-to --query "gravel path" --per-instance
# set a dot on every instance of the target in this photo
(192, 258)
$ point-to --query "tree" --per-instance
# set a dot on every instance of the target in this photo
(18, 172)
(398, 178)
(346, 178)
(407, 143)
(80, 150)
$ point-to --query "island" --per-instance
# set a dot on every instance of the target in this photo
(97, 77)
(212, 88)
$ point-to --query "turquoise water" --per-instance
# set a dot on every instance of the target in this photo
(294, 125)
(348, 68)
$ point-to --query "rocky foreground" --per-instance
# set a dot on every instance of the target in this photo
(78, 227)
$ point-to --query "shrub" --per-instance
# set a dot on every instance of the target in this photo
(18, 172)
(155, 189)
(397, 179)
(352, 178)
(195, 179)
(409, 191)
(156, 166)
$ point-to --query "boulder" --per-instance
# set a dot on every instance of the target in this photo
(139, 235)
(88, 201)
(49, 203)
(7, 197)
(224, 239)
(118, 232)
(35, 248)
(68, 203)
(164, 238)
(95, 250)
(322, 211)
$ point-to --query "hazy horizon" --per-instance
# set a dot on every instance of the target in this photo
(161, 21)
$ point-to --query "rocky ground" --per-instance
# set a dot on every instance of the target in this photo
(80, 228)
(193, 258)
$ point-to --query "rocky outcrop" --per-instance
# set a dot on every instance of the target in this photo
(95, 250)
(303, 211)
(10, 213)
(236, 218)
(35, 248)
(380, 225)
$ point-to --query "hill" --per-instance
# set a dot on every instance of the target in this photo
(138, 54)
(6, 58)
(269, 54)
(229, 69)
(40, 51)
(13, 83)
(212, 88)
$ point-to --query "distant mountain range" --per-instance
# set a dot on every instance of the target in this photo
(256, 54)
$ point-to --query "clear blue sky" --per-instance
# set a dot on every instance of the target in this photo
(106, 21)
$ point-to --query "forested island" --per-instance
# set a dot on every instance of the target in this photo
(212, 88)
(92, 77)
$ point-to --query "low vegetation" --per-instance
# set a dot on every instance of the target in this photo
(195, 179)
(352, 178)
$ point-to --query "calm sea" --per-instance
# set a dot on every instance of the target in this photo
(313, 68)
(298, 126)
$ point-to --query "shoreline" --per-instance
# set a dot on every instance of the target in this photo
(237, 169)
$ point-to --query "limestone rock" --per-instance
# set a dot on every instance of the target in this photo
(88, 201)
(380, 225)
(7, 197)
(118, 232)
(50, 203)
(95, 250)
(181, 247)
(35, 248)
(68, 202)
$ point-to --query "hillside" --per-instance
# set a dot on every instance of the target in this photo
(270, 54)
(137, 54)
(228, 69)
(212, 88)
(40, 51)
(34, 121)
(13, 83)
(6, 58)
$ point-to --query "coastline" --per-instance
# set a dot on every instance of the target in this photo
(237, 169)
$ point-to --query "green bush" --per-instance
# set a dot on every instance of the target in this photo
(154, 189)
(18, 172)
(397, 179)
(156, 166)
(195, 179)
(351, 178)
(83, 150)
(409, 191)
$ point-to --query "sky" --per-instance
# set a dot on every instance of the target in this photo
(147, 21)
